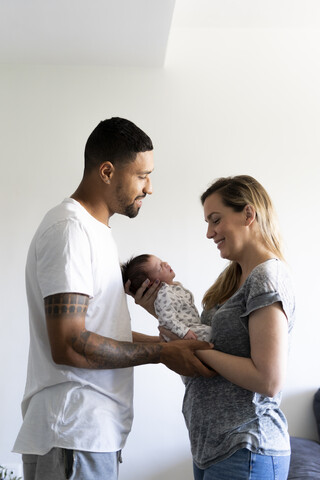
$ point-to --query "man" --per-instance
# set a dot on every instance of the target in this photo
(77, 406)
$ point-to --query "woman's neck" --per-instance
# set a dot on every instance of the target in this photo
(253, 261)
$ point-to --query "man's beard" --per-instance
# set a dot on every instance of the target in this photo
(131, 211)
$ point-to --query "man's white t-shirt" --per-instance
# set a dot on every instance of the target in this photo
(64, 406)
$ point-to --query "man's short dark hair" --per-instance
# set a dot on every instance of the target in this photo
(133, 270)
(115, 140)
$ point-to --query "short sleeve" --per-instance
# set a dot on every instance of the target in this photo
(63, 257)
(269, 283)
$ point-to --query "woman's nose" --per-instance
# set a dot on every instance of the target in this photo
(210, 231)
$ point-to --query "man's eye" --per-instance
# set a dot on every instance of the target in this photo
(143, 177)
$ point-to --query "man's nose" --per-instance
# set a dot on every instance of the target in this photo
(148, 187)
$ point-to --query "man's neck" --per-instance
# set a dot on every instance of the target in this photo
(92, 203)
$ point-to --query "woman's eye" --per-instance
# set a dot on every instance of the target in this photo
(216, 221)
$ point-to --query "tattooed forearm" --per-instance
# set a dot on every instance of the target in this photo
(104, 353)
(66, 303)
(73, 344)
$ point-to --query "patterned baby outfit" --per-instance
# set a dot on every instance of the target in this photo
(176, 312)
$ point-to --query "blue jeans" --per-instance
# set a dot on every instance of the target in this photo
(245, 465)
(63, 464)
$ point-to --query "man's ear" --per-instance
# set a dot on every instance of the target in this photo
(106, 171)
(250, 214)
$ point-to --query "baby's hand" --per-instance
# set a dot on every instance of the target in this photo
(190, 335)
(167, 335)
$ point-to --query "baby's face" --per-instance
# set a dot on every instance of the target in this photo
(157, 269)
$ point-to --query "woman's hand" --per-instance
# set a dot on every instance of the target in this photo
(180, 357)
(145, 297)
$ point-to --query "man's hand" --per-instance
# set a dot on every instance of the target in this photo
(145, 297)
(72, 344)
(180, 357)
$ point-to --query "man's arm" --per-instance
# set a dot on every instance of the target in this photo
(138, 337)
(72, 344)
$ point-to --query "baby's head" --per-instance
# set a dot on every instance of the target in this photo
(138, 269)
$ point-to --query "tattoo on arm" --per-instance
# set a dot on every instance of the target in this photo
(66, 303)
(104, 353)
(96, 351)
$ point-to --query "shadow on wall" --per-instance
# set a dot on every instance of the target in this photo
(298, 408)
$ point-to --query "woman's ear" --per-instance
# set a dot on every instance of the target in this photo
(250, 214)
(106, 171)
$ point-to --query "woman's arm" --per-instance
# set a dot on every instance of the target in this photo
(265, 371)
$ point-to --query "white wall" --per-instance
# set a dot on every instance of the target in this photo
(228, 102)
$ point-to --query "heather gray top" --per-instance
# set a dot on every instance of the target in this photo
(220, 416)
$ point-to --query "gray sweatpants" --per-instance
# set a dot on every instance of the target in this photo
(63, 464)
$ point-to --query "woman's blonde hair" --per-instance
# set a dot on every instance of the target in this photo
(237, 192)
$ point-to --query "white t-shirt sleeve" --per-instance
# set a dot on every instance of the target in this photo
(64, 260)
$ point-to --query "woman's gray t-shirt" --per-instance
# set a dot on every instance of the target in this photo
(220, 416)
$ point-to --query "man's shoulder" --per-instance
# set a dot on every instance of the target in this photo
(65, 212)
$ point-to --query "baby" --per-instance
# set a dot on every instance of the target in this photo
(174, 304)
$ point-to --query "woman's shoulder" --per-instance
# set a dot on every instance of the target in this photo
(271, 281)
(271, 269)
(270, 276)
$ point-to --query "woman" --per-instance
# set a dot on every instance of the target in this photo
(236, 428)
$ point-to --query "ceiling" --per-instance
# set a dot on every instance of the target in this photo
(129, 32)
(89, 32)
